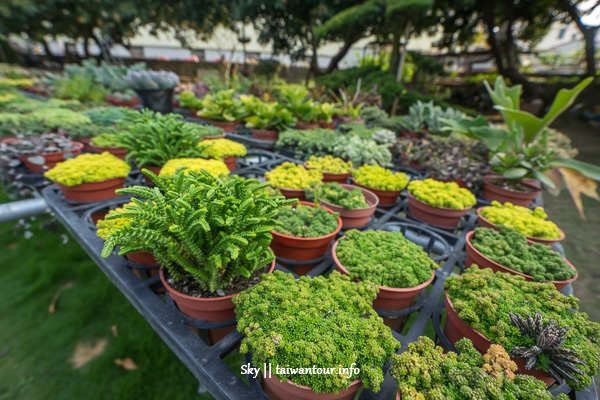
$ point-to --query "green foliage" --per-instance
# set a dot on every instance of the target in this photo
(200, 226)
(377, 177)
(88, 168)
(334, 326)
(529, 222)
(510, 249)
(80, 88)
(297, 100)
(483, 300)
(222, 106)
(60, 118)
(362, 151)
(270, 115)
(151, 80)
(292, 176)
(318, 142)
(214, 167)
(415, 121)
(442, 194)
(329, 164)
(384, 258)
(424, 372)
(189, 100)
(221, 148)
(334, 193)
(326, 112)
(306, 222)
(106, 139)
(153, 139)
(105, 227)
(108, 116)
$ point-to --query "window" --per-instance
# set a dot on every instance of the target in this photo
(200, 53)
(561, 33)
(136, 51)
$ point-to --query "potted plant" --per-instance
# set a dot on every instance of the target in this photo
(222, 110)
(108, 141)
(267, 119)
(509, 251)
(334, 331)
(304, 143)
(400, 268)
(531, 223)
(325, 115)
(188, 100)
(297, 100)
(386, 184)
(223, 149)
(42, 152)
(439, 203)
(349, 106)
(355, 205)
(520, 152)
(291, 179)
(216, 168)
(211, 237)
(305, 233)
(486, 318)
(155, 88)
(89, 177)
(333, 169)
(425, 372)
(362, 151)
(413, 124)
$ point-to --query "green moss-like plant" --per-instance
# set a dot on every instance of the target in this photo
(377, 177)
(87, 168)
(221, 148)
(424, 372)
(334, 193)
(306, 222)
(325, 322)
(531, 223)
(329, 164)
(510, 249)
(385, 258)
(483, 300)
(214, 167)
(442, 194)
(106, 139)
(292, 176)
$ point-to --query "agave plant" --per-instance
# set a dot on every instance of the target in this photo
(148, 80)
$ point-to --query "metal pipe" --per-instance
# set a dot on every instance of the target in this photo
(22, 209)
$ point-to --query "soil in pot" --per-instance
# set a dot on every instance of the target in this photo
(357, 217)
(288, 390)
(519, 193)
(92, 191)
(195, 302)
(438, 216)
(265, 134)
(387, 198)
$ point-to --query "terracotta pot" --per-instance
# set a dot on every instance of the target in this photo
(144, 258)
(476, 257)
(340, 178)
(115, 151)
(455, 329)
(213, 310)
(482, 221)
(345, 119)
(265, 134)
(494, 192)
(221, 136)
(154, 169)
(327, 125)
(227, 126)
(386, 197)
(439, 216)
(359, 216)
(303, 249)
(288, 390)
(231, 162)
(293, 193)
(50, 159)
(307, 125)
(92, 191)
(86, 142)
(412, 135)
(388, 298)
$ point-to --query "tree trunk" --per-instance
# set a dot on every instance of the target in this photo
(395, 57)
(99, 44)
(49, 52)
(404, 51)
(333, 64)
(314, 63)
(86, 48)
(589, 34)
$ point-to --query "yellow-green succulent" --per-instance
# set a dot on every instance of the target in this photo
(87, 168)
(292, 176)
(377, 177)
(529, 222)
(329, 164)
(442, 194)
(221, 148)
(106, 226)
(214, 167)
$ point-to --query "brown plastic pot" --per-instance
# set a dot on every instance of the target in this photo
(292, 193)
(303, 249)
(386, 197)
(221, 136)
(494, 192)
(212, 310)
(456, 329)
(482, 221)
(346, 119)
(476, 257)
(265, 134)
(144, 258)
(50, 159)
(288, 390)
(340, 178)
(115, 151)
(231, 162)
(440, 216)
(327, 125)
(227, 126)
(307, 125)
(92, 191)
(359, 216)
(412, 135)
(86, 142)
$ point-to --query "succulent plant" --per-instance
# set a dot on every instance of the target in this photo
(149, 80)
(548, 341)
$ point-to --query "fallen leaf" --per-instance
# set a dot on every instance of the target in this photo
(579, 184)
(114, 330)
(84, 353)
(52, 307)
(126, 363)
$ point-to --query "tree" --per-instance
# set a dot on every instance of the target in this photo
(575, 14)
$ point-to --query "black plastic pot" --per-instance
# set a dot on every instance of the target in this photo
(159, 100)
